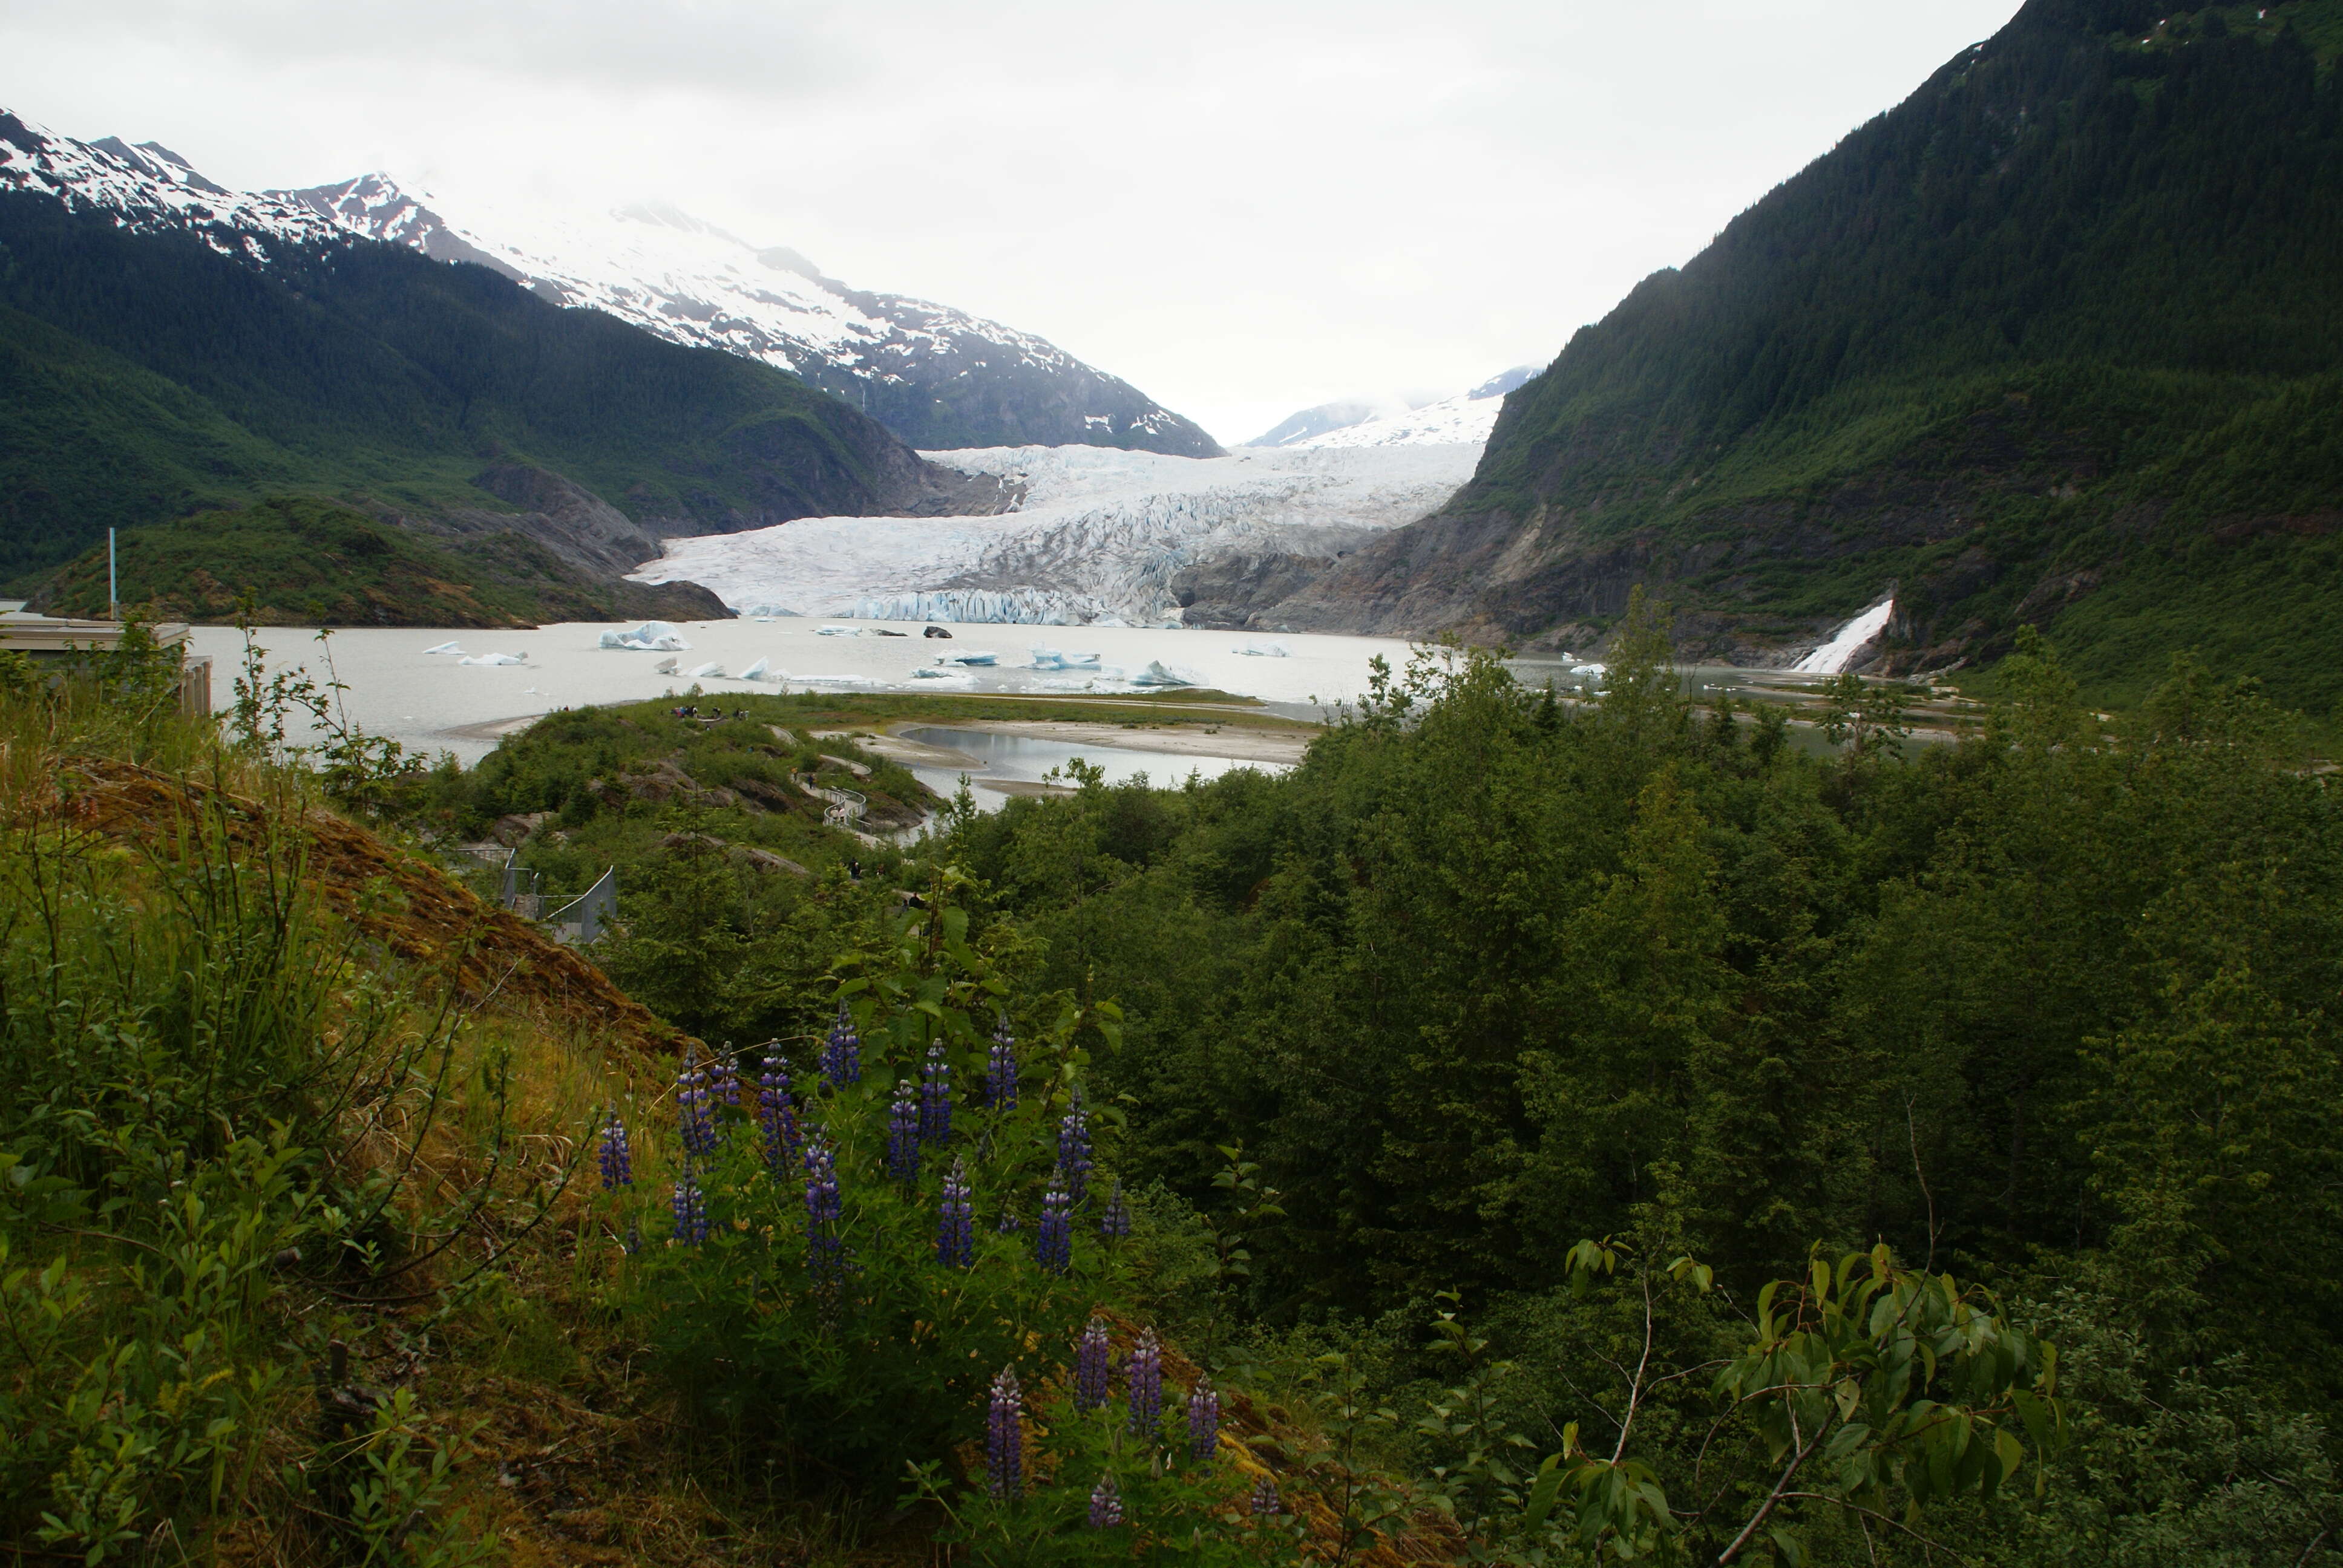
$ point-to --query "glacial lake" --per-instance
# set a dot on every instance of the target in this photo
(432, 703)
(1028, 760)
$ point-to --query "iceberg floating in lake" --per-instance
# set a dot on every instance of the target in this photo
(1055, 658)
(652, 637)
(497, 658)
(1264, 650)
(664, 666)
(973, 656)
(446, 648)
(833, 631)
(931, 672)
(755, 671)
(1158, 673)
(712, 671)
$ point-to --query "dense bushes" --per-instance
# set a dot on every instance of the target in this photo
(1484, 975)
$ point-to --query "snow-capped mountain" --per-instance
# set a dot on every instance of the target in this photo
(938, 376)
(1465, 419)
(1296, 428)
(1099, 535)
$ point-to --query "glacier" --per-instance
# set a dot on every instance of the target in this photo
(1097, 539)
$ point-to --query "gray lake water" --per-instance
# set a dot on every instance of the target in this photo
(1028, 760)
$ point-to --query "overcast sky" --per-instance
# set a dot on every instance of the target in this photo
(1242, 208)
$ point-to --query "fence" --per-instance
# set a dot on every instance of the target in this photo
(581, 920)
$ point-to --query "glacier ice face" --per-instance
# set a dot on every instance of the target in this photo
(1100, 536)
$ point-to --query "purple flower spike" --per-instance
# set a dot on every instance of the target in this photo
(776, 1114)
(1007, 1226)
(1090, 1359)
(1004, 1438)
(1115, 1223)
(724, 1081)
(1053, 1238)
(841, 1054)
(690, 1209)
(903, 1136)
(955, 1225)
(1143, 1384)
(695, 1111)
(1074, 1149)
(1000, 1069)
(1106, 1504)
(617, 1162)
(1203, 1419)
(1266, 1503)
(935, 1097)
(825, 1252)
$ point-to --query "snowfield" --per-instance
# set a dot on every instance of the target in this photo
(1465, 419)
(1099, 538)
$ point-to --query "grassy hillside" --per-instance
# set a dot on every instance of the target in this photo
(143, 375)
(2055, 341)
(301, 561)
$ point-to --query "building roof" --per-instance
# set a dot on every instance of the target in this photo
(25, 633)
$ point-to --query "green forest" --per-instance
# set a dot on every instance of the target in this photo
(145, 376)
(1526, 1131)
(2052, 343)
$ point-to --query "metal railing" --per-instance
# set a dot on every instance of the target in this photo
(581, 920)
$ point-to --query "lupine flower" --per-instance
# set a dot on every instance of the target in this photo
(778, 1115)
(1074, 1149)
(1091, 1356)
(1266, 1503)
(903, 1136)
(1144, 1383)
(724, 1081)
(690, 1209)
(1004, 1438)
(617, 1163)
(1000, 1069)
(935, 1097)
(1115, 1223)
(1203, 1419)
(955, 1226)
(824, 1251)
(695, 1111)
(1053, 1238)
(1106, 1504)
(634, 1242)
(1007, 1226)
(842, 1055)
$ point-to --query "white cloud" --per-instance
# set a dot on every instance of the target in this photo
(1238, 207)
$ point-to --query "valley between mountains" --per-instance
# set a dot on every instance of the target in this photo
(2017, 353)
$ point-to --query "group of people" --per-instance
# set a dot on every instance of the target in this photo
(713, 716)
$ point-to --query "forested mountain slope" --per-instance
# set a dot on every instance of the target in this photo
(150, 368)
(2059, 341)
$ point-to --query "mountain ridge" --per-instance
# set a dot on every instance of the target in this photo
(167, 347)
(938, 376)
(1974, 352)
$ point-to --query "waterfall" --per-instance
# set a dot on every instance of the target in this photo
(1834, 656)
